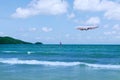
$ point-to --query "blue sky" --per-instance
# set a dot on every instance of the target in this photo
(52, 21)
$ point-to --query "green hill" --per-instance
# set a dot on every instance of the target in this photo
(10, 40)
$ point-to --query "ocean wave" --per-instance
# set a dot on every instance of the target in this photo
(57, 63)
(36, 62)
(10, 51)
(28, 52)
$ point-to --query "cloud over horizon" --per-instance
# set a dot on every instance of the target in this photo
(93, 21)
(46, 29)
(111, 9)
(36, 7)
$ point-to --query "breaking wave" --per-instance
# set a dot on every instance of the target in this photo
(9, 51)
(56, 63)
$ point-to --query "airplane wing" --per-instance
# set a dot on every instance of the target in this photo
(87, 28)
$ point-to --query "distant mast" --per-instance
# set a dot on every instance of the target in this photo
(60, 43)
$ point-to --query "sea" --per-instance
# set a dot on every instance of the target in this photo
(59, 62)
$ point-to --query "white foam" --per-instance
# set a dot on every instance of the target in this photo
(29, 52)
(36, 62)
(56, 63)
(108, 66)
(10, 51)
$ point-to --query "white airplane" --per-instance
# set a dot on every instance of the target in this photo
(86, 27)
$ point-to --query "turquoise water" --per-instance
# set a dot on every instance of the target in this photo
(55, 62)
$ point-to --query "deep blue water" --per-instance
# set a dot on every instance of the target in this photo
(59, 62)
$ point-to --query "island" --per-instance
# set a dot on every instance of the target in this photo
(38, 43)
(10, 40)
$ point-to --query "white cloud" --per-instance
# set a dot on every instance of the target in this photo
(116, 27)
(86, 4)
(111, 9)
(106, 26)
(110, 32)
(24, 34)
(113, 14)
(95, 5)
(115, 30)
(32, 29)
(118, 37)
(46, 29)
(36, 7)
(1, 33)
(67, 35)
(93, 20)
(72, 15)
(38, 38)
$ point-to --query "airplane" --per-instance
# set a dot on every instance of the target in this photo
(82, 28)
